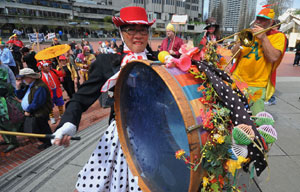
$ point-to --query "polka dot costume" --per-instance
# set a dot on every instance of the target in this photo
(107, 169)
(239, 109)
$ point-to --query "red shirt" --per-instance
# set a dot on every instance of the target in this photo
(177, 44)
(55, 77)
(17, 42)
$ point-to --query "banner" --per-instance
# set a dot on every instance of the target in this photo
(17, 32)
(32, 37)
(50, 36)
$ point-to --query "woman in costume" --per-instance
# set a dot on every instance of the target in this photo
(84, 60)
(107, 169)
(70, 77)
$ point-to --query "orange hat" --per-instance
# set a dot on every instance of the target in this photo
(266, 13)
(62, 57)
(55, 38)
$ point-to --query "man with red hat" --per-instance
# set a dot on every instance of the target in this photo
(70, 75)
(15, 44)
(51, 78)
(108, 156)
(256, 65)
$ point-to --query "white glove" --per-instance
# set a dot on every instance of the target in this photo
(67, 129)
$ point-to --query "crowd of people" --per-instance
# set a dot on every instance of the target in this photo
(33, 88)
(85, 73)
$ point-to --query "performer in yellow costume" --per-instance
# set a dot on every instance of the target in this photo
(256, 65)
(84, 60)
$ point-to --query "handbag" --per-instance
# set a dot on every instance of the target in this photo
(30, 124)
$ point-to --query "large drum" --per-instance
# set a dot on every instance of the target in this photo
(155, 109)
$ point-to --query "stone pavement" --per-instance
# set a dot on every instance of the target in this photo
(55, 169)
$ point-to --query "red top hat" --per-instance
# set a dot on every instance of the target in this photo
(131, 16)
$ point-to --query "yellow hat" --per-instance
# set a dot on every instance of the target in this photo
(170, 27)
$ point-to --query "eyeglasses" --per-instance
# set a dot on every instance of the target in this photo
(133, 31)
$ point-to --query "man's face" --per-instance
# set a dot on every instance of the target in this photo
(263, 22)
(46, 68)
(27, 80)
(170, 33)
(136, 37)
(211, 29)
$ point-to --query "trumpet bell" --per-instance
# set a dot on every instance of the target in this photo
(246, 38)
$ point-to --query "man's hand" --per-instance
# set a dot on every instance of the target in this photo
(256, 29)
(172, 52)
(63, 134)
(228, 68)
(27, 114)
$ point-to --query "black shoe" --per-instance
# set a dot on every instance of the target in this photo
(44, 146)
(10, 148)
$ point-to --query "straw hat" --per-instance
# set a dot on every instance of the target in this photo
(27, 72)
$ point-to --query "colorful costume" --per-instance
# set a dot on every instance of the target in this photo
(68, 79)
(11, 114)
(253, 68)
(84, 62)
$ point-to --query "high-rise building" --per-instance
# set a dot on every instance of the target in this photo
(233, 15)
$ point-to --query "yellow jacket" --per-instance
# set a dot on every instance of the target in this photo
(71, 69)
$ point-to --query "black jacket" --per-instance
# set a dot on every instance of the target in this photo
(105, 66)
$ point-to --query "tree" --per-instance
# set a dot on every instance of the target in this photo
(108, 23)
(280, 6)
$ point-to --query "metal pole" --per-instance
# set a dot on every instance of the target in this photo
(49, 136)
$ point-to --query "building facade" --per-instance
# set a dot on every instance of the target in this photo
(233, 15)
(80, 17)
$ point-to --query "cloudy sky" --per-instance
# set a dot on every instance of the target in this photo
(296, 4)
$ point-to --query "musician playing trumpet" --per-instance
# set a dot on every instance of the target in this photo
(256, 65)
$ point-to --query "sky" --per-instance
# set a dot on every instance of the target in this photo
(296, 4)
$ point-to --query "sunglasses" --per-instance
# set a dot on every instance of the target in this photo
(133, 31)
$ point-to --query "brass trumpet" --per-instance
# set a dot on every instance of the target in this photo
(247, 37)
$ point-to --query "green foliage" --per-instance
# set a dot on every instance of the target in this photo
(297, 12)
(107, 19)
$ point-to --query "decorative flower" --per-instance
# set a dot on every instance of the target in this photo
(233, 165)
(205, 181)
(219, 138)
(179, 154)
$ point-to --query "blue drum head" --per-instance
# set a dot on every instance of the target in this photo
(154, 129)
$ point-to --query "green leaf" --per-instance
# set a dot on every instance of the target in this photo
(215, 187)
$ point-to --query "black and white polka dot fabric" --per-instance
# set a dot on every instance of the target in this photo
(107, 169)
(238, 107)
